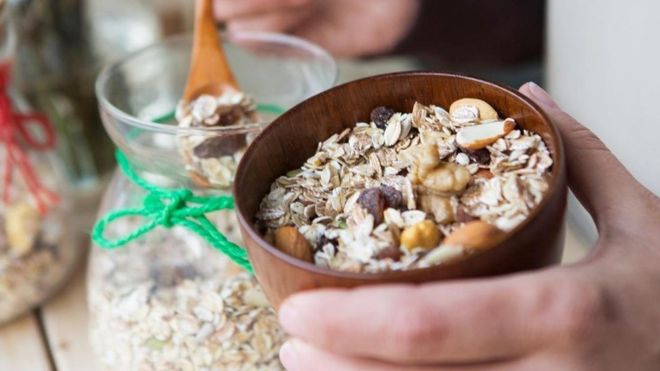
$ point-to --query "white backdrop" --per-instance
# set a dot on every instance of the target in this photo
(604, 68)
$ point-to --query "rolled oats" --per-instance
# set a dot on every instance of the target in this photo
(170, 302)
(382, 195)
(211, 157)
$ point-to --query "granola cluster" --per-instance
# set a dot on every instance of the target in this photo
(212, 157)
(410, 190)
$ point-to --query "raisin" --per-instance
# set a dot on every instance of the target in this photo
(462, 216)
(393, 198)
(230, 116)
(223, 145)
(481, 156)
(171, 275)
(389, 253)
(324, 241)
(380, 116)
(373, 201)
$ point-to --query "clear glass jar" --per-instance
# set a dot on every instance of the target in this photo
(39, 246)
(168, 300)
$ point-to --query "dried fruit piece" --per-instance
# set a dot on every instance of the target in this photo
(224, 145)
(462, 215)
(381, 115)
(22, 224)
(424, 234)
(389, 253)
(393, 198)
(376, 200)
(373, 201)
(229, 115)
(481, 156)
(480, 136)
(323, 240)
(471, 109)
(474, 235)
(292, 242)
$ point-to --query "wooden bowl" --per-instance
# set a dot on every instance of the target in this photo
(294, 136)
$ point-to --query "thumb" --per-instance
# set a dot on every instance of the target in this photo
(598, 179)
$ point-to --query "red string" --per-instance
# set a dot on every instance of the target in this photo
(14, 133)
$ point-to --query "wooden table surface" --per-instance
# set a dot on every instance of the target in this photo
(54, 336)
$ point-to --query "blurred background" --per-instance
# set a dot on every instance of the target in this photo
(598, 59)
(598, 62)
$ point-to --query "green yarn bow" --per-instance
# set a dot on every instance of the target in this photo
(168, 208)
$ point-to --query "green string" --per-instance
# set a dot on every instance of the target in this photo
(168, 208)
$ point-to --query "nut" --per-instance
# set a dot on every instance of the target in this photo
(471, 109)
(476, 235)
(484, 173)
(22, 226)
(424, 234)
(448, 177)
(427, 169)
(421, 159)
(290, 241)
(438, 206)
(480, 136)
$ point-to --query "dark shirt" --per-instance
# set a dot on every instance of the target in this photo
(470, 33)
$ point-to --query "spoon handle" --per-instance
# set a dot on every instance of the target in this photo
(208, 65)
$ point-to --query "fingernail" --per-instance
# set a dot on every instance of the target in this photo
(289, 315)
(288, 355)
(541, 95)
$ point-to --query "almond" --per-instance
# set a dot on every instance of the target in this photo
(464, 108)
(474, 235)
(480, 136)
(290, 241)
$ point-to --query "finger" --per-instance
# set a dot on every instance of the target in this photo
(601, 183)
(296, 355)
(468, 321)
(225, 10)
(277, 21)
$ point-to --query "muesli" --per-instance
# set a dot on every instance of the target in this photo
(37, 250)
(168, 300)
(409, 190)
(212, 157)
(157, 306)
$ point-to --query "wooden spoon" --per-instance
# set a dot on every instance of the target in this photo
(209, 69)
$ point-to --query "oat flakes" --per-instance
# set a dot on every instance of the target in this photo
(337, 199)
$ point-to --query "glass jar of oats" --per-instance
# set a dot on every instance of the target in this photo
(38, 244)
(164, 290)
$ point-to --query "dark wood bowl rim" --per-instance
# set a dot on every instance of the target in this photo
(553, 185)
